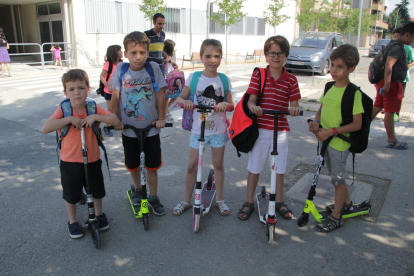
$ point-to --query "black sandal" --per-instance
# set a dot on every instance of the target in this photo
(283, 212)
(246, 212)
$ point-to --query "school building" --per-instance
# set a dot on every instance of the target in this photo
(88, 27)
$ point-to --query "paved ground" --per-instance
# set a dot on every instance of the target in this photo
(34, 239)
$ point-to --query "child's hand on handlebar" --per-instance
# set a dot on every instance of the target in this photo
(323, 134)
(256, 110)
(160, 123)
(222, 107)
(76, 122)
(188, 105)
(313, 127)
(294, 111)
(88, 121)
(119, 126)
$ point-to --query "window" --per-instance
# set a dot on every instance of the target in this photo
(132, 18)
(215, 27)
(118, 16)
(100, 16)
(198, 22)
(172, 20)
(46, 9)
(261, 26)
(237, 28)
(250, 25)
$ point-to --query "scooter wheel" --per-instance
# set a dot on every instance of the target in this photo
(196, 222)
(365, 204)
(303, 219)
(270, 233)
(146, 222)
(96, 235)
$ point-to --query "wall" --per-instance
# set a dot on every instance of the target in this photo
(30, 27)
(91, 48)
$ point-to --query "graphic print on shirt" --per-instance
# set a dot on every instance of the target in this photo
(209, 96)
(135, 106)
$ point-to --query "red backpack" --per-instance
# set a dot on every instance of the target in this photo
(244, 129)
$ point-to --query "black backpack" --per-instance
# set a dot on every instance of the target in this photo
(377, 67)
(100, 90)
(359, 139)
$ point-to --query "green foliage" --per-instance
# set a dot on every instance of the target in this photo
(306, 16)
(151, 7)
(272, 16)
(232, 10)
(329, 13)
(403, 16)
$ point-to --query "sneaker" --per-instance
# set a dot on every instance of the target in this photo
(346, 209)
(330, 224)
(136, 197)
(75, 231)
(107, 132)
(396, 117)
(103, 222)
(156, 206)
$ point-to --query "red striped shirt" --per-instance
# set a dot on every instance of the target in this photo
(276, 96)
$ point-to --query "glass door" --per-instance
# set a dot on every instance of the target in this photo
(51, 31)
(45, 37)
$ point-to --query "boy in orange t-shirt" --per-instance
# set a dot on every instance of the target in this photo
(76, 88)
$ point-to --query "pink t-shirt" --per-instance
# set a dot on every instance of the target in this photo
(57, 53)
(72, 144)
(106, 68)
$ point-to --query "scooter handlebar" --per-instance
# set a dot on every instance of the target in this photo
(141, 129)
(276, 112)
(205, 107)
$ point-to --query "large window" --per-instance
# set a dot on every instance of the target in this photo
(48, 9)
(100, 16)
(261, 26)
(215, 28)
(172, 20)
(132, 18)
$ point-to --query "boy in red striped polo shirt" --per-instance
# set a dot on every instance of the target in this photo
(281, 89)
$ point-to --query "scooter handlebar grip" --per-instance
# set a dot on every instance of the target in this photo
(168, 124)
(182, 106)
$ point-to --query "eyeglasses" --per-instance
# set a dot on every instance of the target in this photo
(279, 54)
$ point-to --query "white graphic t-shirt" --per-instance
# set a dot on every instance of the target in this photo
(137, 100)
(210, 91)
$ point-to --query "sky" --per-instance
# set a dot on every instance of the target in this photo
(391, 6)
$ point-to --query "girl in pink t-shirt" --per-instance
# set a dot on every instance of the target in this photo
(56, 50)
(112, 58)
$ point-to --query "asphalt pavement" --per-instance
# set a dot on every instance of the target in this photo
(35, 241)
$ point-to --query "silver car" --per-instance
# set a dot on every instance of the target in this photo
(311, 51)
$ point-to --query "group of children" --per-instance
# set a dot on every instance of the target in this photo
(135, 102)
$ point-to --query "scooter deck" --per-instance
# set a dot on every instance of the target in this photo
(207, 197)
(356, 211)
(263, 206)
(135, 208)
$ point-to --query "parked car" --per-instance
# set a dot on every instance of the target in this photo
(377, 47)
(311, 51)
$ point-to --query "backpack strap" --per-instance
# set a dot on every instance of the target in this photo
(124, 69)
(262, 82)
(111, 65)
(194, 82)
(328, 86)
(150, 71)
(225, 82)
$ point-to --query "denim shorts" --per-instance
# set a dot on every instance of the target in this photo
(216, 140)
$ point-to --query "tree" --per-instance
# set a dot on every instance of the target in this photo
(329, 13)
(403, 16)
(151, 7)
(307, 16)
(233, 14)
(272, 16)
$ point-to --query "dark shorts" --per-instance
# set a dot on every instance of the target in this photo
(107, 96)
(392, 101)
(73, 180)
(152, 150)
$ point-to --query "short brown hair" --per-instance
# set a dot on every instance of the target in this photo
(74, 75)
(348, 53)
(211, 42)
(137, 38)
(279, 40)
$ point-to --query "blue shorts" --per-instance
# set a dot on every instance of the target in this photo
(216, 140)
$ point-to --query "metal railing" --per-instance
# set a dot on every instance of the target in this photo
(42, 53)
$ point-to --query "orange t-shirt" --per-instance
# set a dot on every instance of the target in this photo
(72, 143)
